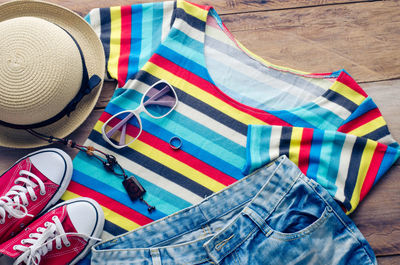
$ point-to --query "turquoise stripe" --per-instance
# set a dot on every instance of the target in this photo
(265, 139)
(187, 129)
(136, 44)
(325, 157)
(192, 49)
(158, 13)
(87, 18)
(147, 34)
(328, 115)
(334, 161)
(315, 151)
(168, 204)
(312, 117)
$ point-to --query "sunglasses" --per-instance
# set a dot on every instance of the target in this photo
(124, 128)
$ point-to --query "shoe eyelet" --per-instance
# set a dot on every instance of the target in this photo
(46, 224)
(2, 222)
(42, 193)
(26, 204)
(22, 225)
(30, 235)
(9, 216)
(68, 244)
(58, 247)
(34, 198)
(54, 218)
(23, 241)
(38, 229)
(12, 234)
(15, 247)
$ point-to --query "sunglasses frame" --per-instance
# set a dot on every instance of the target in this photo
(136, 112)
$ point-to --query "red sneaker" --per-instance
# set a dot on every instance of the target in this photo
(31, 186)
(61, 236)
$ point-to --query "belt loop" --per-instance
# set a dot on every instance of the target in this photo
(258, 220)
(155, 256)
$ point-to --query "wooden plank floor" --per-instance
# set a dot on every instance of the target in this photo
(362, 37)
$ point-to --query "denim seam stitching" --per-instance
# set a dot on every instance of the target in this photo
(308, 230)
(341, 220)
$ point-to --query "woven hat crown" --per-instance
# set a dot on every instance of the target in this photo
(40, 70)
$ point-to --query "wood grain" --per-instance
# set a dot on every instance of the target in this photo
(317, 36)
(222, 6)
(363, 38)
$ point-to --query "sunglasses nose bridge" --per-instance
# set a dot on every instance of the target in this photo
(139, 109)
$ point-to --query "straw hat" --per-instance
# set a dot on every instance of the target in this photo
(42, 71)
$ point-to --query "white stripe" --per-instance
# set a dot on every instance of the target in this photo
(150, 176)
(387, 140)
(189, 30)
(168, 8)
(95, 20)
(274, 144)
(256, 74)
(340, 111)
(196, 116)
(345, 157)
(215, 33)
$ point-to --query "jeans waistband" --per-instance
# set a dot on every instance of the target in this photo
(260, 192)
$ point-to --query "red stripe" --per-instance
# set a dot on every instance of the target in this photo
(201, 6)
(125, 48)
(373, 169)
(179, 155)
(359, 121)
(305, 148)
(109, 203)
(213, 90)
(347, 80)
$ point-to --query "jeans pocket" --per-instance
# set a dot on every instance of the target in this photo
(298, 214)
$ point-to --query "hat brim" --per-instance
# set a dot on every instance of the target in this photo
(93, 53)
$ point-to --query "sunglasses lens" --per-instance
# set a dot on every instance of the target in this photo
(123, 129)
(160, 100)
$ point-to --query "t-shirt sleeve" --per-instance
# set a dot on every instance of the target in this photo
(346, 165)
(130, 35)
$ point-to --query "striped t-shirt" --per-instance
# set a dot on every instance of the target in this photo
(236, 112)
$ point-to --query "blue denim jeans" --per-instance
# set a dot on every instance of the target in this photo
(274, 216)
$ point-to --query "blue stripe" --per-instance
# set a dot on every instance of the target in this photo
(198, 105)
(364, 107)
(131, 100)
(121, 197)
(310, 114)
(291, 118)
(86, 166)
(192, 144)
(391, 155)
(136, 44)
(315, 154)
(334, 161)
(188, 49)
(87, 18)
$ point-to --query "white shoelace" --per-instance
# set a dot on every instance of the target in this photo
(10, 203)
(42, 242)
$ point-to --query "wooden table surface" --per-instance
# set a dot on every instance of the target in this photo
(362, 37)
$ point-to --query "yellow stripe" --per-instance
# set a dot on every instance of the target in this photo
(362, 172)
(115, 41)
(348, 93)
(202, 95)
(294, 150)
(369, 127)
(110, 215)
(171, 162)
(193, 10)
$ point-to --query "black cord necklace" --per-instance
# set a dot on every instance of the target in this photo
(132, 186)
